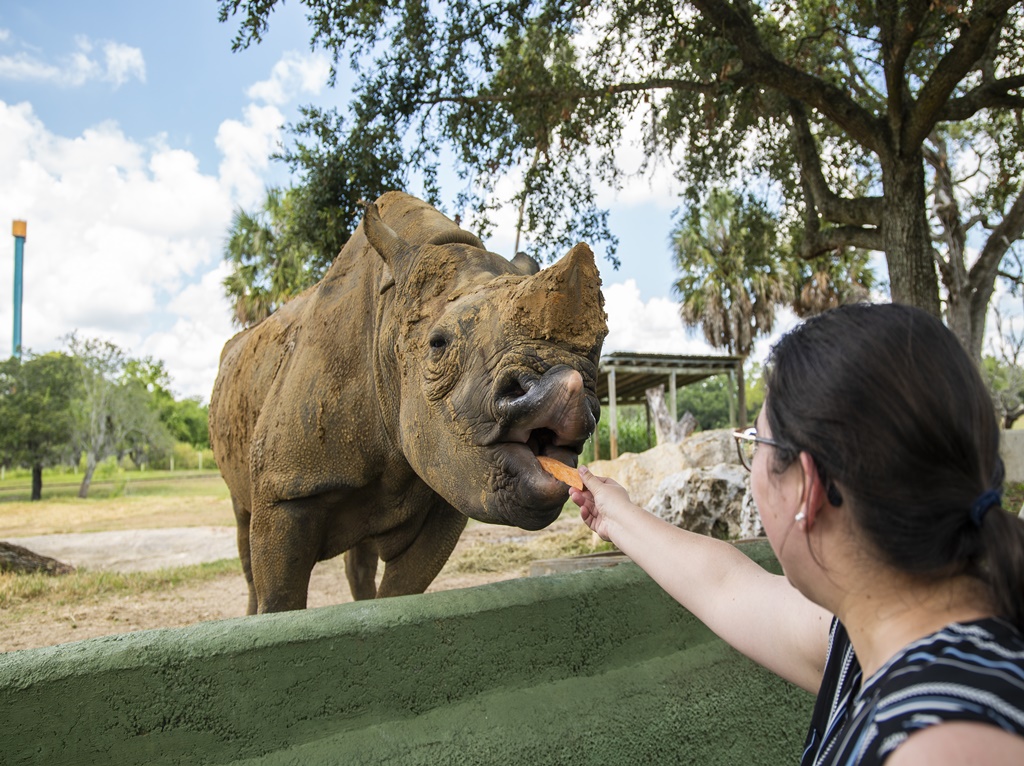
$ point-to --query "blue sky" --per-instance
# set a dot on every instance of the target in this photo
(129, 133)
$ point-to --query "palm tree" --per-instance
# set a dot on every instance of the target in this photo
(731, 279)
(828, 282)
(269, 266)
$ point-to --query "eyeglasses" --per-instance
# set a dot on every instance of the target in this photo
(746, 445)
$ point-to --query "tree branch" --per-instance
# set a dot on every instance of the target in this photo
(863, 211)
(898, 32)
(657, 83)
(865, 238)
(994, 93)
(983, 272)
(739, 29)
(975, 34)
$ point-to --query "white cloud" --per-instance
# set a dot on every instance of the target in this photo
(125, 235)
(294, 74)
(116, 230)
(120, 63)
(22, 66)
(123, 63)
(5, 35)
(655, 327)
(652, 327)
(192, 346)
(247, 146)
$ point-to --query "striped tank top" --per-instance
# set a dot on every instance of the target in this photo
(971, 671)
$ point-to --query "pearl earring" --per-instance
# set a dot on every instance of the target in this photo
(800, 517)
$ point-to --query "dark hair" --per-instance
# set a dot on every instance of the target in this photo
(893, 410)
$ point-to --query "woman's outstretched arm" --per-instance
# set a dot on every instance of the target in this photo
(760, 614)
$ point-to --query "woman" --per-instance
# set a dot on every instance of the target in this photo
(877, 476)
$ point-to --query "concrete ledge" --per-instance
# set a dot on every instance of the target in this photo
(593, 667)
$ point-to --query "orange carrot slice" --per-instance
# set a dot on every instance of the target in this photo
(561, 471)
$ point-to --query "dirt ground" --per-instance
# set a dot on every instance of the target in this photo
(224, 597)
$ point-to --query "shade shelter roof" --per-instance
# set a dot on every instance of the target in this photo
(624, 377)
(635, 373)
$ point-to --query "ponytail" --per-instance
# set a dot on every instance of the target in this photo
(1001, 563)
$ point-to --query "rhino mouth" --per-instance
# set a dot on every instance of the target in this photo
(551, 414)
(531, 497)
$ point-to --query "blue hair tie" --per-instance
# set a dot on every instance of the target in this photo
(985, 501)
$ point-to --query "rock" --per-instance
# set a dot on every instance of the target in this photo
(709, 448)
(14, 558)
(709, 501)
(750, 517)
(697, 484)
(641, 473)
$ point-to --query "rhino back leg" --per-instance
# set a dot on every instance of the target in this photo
(242, 518)
(415, 567)
(361, 570)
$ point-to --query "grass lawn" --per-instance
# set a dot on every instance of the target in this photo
(144, 501)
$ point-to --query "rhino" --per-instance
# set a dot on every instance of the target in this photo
(408, 391)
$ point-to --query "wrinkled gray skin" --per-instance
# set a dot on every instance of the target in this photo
(408, 390)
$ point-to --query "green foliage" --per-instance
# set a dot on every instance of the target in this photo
(731, 276)
(632, 429)
(187, 420)
(270, 265)
(1005, 383)
(116, 415)
(186, 457)
(36, 409)
(325, 207)
(783, 100)
(708, 400)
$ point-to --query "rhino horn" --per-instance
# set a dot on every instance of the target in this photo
(395, 251)
(563, 303)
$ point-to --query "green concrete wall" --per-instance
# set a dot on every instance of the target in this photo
(594, 667)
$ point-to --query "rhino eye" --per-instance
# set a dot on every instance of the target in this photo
(438, 342)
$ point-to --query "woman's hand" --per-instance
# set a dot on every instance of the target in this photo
(602, 504)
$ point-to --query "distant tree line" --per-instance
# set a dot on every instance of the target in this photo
(89, 403)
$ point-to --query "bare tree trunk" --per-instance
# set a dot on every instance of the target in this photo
(37, 481)
(912, 276)
(90, 469)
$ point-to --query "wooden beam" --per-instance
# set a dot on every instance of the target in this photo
(613, 426)
(732, 399)
(672, 395)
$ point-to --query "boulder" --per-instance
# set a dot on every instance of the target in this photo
(710, 501)
(641, 473)
(697, 484)
(14, 558)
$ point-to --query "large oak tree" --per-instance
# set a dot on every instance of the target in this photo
(884, 126)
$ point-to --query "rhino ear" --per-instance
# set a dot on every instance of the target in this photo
(525, 265)
(396, 252)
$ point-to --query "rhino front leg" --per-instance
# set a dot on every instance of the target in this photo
(361, 570)
(415, 567)
(284, 540)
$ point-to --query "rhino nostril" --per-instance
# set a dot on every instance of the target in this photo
(514, 387)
